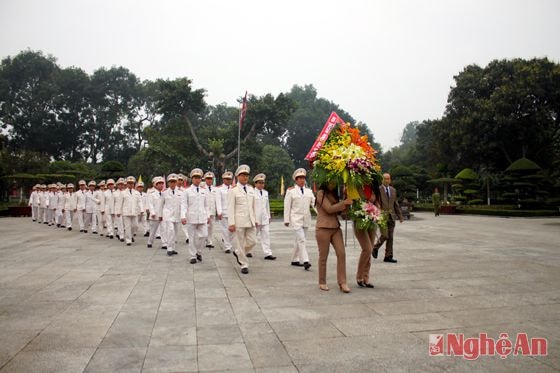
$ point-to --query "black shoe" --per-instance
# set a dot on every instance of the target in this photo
(307, 265)
(158, 238)
(122, 240)
(174, 252)
(101, 234)
(111, 237)
(81, 231)
(69, 228)
(390, 259)
(170, 253)
(128, 244)
(249, 255)
(361, 284)
(297, 264)
(187, 240)
(374, 253)
(199, 257)
(85, 231)
(369, 286)
(164, 247)
(209, 246)
(244, 270)
(193, 261)
(58, 225)
(227, 251)
(236, 257)
(149, 246)
(270, 257)
(147, 234)
(118, 237)
(132, 239)
(94, 232)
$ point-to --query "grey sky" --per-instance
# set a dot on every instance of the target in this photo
(385, 62)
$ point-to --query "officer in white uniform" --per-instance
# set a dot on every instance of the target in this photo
(297, 215)
(81, 196)
(155, 208)
(142, 218)
(171, 213)
(131, 207)
(43, 204)
(241, 217)
(262, 215)
(107, 208)
(34, 203)
(91, 208)
(53, 202)
(60, 200)
(195, 214)
(100, 195)
(180, 184)
(214, 206)
(227, 236)
(70, 205)
(118, 208)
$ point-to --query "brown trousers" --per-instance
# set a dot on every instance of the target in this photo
(366, 239)
(388, 236)
(326, 237)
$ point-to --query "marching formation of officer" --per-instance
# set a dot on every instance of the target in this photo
(239, 211)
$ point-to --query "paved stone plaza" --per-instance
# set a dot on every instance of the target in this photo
(72, 302)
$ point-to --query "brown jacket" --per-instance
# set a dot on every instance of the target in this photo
(327, 210)
(391, 204)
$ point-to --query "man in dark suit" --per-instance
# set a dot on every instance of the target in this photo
(390, 205)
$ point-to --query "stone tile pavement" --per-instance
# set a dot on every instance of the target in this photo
(72, 302)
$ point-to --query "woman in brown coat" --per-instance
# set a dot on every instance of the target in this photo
(366, 239)
(328, 232)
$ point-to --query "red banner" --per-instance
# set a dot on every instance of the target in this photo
(323, 136)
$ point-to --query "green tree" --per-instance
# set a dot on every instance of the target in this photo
(275, 162)
(27, 108)
(308, 120)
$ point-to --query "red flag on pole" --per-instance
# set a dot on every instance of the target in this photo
(243, 110)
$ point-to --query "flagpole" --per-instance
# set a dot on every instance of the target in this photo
(239, 138)
(241, 117)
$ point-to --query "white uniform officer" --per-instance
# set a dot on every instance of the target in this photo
(53, 202)
(227, 236)
(91, 208)
(118, 208)
(100, 195)
(43, 204)
(70, 205)
(81, 196)
(142, 218)
(297, 215)
(241, 217)
(34, 202)
(180, 184)
(171, 213)
(155, 208)
(195, 214)
(107, 208)
(60, 201)
(262, 215)
(214, 206)
(131, 208)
